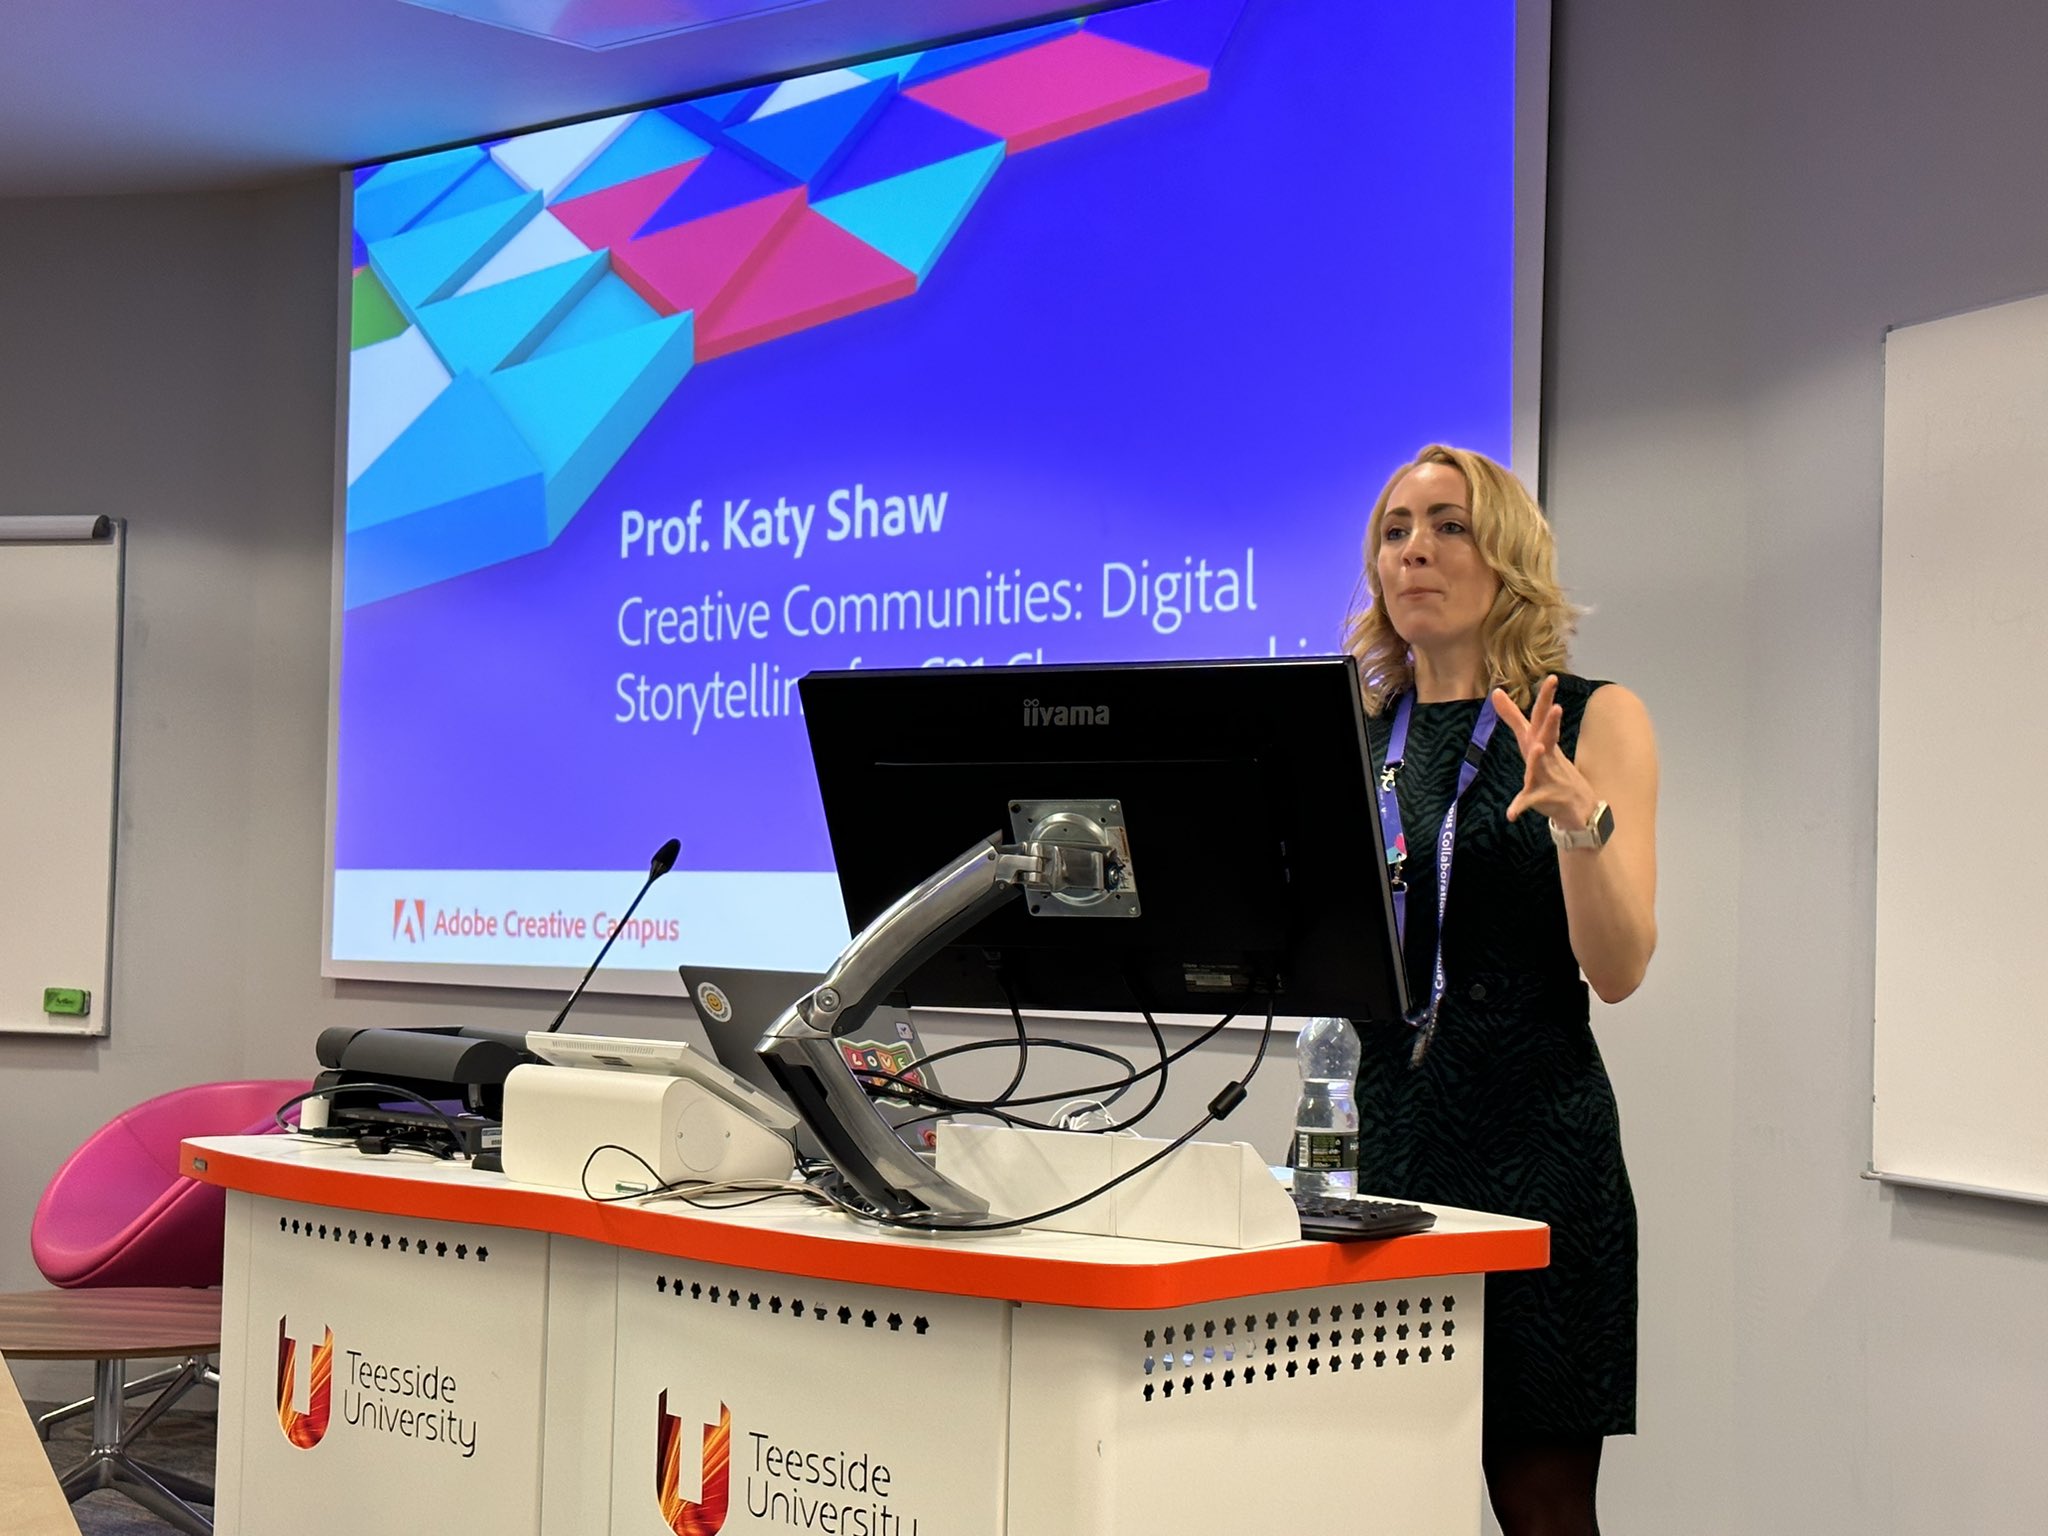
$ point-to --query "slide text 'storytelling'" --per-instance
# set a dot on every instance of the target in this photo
(1000, 615)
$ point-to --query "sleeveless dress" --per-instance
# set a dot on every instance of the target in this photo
(1510, 1110)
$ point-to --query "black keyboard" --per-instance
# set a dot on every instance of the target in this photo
(1346, 1219)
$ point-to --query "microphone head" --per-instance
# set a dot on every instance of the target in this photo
(665, 858)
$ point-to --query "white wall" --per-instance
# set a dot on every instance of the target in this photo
(125, 387)
(1644, 468)
(1742, 201)
(1898, 176)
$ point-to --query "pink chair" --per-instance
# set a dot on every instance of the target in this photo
(120, 1213)
(120, 1217)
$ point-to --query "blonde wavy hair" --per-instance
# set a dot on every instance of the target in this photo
(1525, 636)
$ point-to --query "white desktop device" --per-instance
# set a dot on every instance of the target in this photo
(614, 1116)
(662, 1058)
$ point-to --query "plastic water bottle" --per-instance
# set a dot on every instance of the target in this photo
(1326, 1121)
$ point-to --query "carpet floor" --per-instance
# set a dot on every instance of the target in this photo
(181, 1441)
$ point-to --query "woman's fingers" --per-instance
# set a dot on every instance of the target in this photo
(1548, 713)
(1532, 775)
(1507, 709)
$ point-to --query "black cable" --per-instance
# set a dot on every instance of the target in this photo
(1023, 1042)
(343, 1133)
(1118, 1090)
(1137, 1074)
(915, 1095)
(1158, 1092)
(897, 1083)
(911, 1223)
(677, 1186)
(1232, 1094)
(1043, 1042)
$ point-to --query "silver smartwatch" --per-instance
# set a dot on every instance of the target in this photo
(1594, 834)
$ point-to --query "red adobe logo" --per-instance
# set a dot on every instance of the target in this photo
(305, 1429)
(706, 1517)
(409, 919)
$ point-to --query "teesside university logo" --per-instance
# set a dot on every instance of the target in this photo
(305, 1429)
(409, 919)
(705, 1517)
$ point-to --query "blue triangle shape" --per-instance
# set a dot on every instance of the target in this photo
(943, 61)
(610, 306)
(652, 142)
(717, 111)
(895, 68)
(1193, 31)
(459, 490)
(726, 179)
(406, 189)
(494, 327)
(913, 217)
(908, 136)
(807, 141)
(431, 262)
(483, 186)
(464, 442)
(579, 410)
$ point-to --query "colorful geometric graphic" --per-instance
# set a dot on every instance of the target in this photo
(813, 273)
(693, 265)
(1059, 88)
(704, 1516)
(521, 310)
(305, 1430)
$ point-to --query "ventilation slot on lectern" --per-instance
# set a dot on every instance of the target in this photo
(873, 1314)
(381, 1240)
(1234, 1350)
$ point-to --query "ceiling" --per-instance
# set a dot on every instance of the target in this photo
(100, 97)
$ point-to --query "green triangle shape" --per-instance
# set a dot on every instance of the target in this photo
(911, 218)
(372, 317)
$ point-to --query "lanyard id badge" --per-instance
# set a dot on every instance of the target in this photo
(1423, 1020)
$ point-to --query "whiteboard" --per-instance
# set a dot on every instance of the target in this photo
(60, 705)
(1961, 1039)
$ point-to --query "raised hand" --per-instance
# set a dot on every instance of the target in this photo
(1551, 782)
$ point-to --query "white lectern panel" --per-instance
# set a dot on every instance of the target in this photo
(390, 1376)
(756, 1402)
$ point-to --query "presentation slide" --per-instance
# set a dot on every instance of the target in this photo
(1090, 341)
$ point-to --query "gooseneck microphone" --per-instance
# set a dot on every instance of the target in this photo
(663, 861)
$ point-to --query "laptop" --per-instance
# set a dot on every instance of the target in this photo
(737, 1007)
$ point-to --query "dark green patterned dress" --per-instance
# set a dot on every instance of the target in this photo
(1511, 1110)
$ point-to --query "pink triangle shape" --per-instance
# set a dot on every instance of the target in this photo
(692, 266)
(611, 217)
(1066, 86)
(815, 273)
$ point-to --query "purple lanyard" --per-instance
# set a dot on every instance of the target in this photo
(1423, 1020)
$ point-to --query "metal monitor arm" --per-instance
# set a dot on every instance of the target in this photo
(1070, 859)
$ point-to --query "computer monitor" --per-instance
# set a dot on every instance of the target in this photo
(1214, 831)
(1246, 793)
